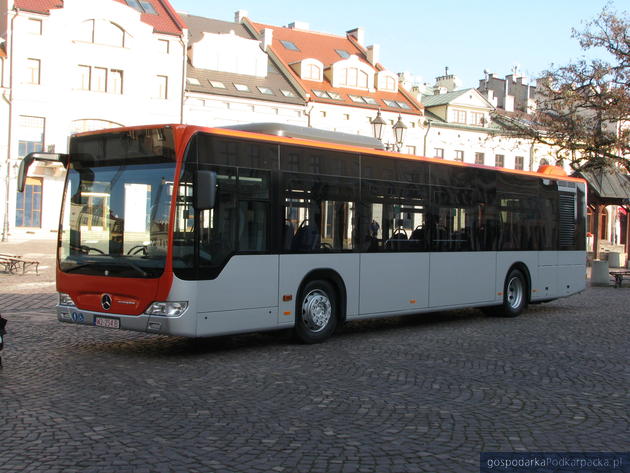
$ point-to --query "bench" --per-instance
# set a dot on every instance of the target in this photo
(12, 263)
(619, 277)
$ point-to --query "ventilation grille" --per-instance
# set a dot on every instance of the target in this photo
(567, 220)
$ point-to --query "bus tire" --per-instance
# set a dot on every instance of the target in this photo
(514, 294)
(317, 312)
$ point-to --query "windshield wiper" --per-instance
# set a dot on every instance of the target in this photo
(136, 268)
(133, 266)
(78, 266)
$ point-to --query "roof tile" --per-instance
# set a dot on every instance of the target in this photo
(324, 47)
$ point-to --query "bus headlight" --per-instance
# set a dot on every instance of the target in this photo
(65, 299)
(167, 309)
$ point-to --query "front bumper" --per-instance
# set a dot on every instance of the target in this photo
(138, 323)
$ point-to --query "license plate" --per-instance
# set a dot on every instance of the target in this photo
(106, 322)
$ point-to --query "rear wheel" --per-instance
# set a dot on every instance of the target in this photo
(317, 312)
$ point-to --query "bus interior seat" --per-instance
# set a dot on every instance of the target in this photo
(306, 238)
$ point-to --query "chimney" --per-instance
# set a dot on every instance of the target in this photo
(299, 25)
(358, 34)
(267, 38)
(373, 53)
(239, 16)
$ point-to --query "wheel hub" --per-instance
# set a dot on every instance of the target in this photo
(316, 310)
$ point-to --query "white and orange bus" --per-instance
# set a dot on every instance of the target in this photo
(192, 231)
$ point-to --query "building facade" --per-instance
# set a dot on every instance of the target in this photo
(77, 66)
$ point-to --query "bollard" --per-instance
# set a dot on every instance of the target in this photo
(599, 273)
(3, 324)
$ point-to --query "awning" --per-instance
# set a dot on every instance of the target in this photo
(608, 186)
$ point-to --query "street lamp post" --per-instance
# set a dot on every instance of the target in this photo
(399, 131)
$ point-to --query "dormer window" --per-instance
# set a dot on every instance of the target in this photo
(354, 77)
(312, 72)
(352, 73)
(309, 69)
(386, 81)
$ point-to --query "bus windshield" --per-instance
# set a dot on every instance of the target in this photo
(115, 214)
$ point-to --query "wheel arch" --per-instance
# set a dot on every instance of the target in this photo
(333, 278)
(522, 267)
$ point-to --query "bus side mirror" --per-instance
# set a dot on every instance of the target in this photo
(28, 160)
(205, 189)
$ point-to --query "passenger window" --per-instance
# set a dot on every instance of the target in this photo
(319, 213)
(393, 217)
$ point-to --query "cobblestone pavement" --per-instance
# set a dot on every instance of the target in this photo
(425, 393)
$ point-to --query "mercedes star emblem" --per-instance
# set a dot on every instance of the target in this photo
(106, 301)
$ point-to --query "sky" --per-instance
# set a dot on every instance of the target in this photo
(422, 37)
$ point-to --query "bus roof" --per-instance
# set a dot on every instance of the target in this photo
(317, 138)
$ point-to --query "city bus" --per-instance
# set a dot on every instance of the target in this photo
(191, 231)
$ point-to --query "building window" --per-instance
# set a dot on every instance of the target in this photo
(439, 153)
(459, 116)
(214, 83)
(242, 87)
(28, 206)
(411, 150)
(477, 118)
(33, 71)
(142, 6)
(519, 162)
(499, 160)
(99, 79)
(480, 158)
(459, 155)
(101, 32)
(161, 87)
(354, 77)
(312, 72)
(343, 53)
(106, 32)
(265, 90)
(287, 93)
(289, 45)
(30, 135)
(115, 85)
(165, 46)
(34, 26)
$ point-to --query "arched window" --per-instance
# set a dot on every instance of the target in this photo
(101, 32)
(109, 33)
(313, 72)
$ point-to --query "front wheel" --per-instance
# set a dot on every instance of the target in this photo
(514, 294)
(317, 312)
